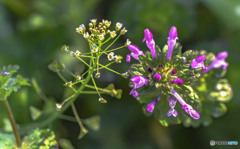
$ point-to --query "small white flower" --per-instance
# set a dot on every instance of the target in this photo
(78, 53)
(107, 23)
(97, 75)
(86, 35)
(94, 49)
(118, 26)
(125, 75)
(101, 37)
(94, 21)
(111, 56)
(123, 31)
(79, 77)
(128, 42)
(113, 34)
(80, 29)
(71, 53)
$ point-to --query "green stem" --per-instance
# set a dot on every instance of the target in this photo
(115, 49)
(113, 42)
(77, 117)
(110, 69)
(13, 123)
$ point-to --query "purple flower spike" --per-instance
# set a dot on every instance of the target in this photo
(193, 113)
(178, 81)
(134, 93)
(171, 41)
(150, 42)
(198, 62)
(157, 77)
(139, 81)
(135, 52)
(219, 61)
(150, 107)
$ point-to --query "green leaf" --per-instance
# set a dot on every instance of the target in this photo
(7, 141)
(65, 144)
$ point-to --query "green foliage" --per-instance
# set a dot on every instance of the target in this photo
(8, 82)
(40, 139)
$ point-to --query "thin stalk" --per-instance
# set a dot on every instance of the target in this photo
(82, 61)
(13, 123)
(77, 117)
(115, 49)
(95, 86)
(113, 42)
(110, 69)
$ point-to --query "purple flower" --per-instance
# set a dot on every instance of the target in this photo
(135, 52)
(219, 61)
(198, 62)
(5, 73)
(134, 93)
(171, 41)
(157, 77)
(172, 104)
(150, 107)
(150, 42)
(138, 81)
(185, 106)
(178, 81)
(149, 69)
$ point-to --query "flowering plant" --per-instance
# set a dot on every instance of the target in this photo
(179, 87)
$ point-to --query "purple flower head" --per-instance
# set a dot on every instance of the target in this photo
(150, 42)
(134, 93)
(198, 62)
(150, 107)
(139, 81)
(174, 71)
(171, 41)
(135, 52)
(219, 61)
(178, 81)
(157, 77)
(193, 113)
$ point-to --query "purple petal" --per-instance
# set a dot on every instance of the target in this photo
(219, 61)
(178, 81)
(172, 112)
(222, 55)
(173, 33)
(128, 58)
(200, 58)
(148, 37)
(171, 41)
(198, 62)
(133, 48)
(149, 69)
(150, 107)
(174, 71)
(172, 102)
(134, 93)
(194, 114)
(139, 81)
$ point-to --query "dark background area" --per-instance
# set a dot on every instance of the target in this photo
(33, 31)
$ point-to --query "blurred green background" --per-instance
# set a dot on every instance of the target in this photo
(32, 32)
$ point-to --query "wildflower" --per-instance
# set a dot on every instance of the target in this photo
(171, 41)
(101, 37)
(135, 52)
(172, 104)
(86, 35)
(79, 77)
(118, 26)
(107, 23)
(150, 42)
(94, 21)
(149, 69)
(185, 106)
(150, 107)
(5, 73)
(65, 48)
(123, 31)
(78, 53)
(71, 53)
(138, 81)
(134, 93)
(198, 62)
(157, 77)
(113, 34)
(128, 42)
(58, 106)
(111, 56)
(94, 49)
(219, 61)
(178, 82)
(80, 29)
(118, 58)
